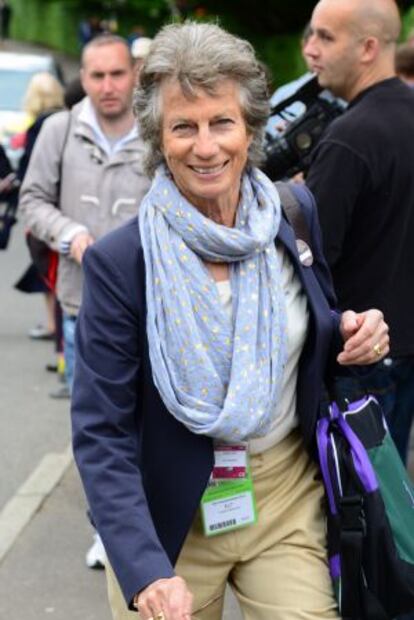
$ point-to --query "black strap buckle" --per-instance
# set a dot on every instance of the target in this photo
(351, 509)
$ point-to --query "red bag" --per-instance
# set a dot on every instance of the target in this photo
(44, 259)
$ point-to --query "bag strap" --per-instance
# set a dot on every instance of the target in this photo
(60, 165)
(351, 542)
(356, 601)
(293, 211)
(353, 525)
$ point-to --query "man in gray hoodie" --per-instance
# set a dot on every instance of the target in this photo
(86, 178)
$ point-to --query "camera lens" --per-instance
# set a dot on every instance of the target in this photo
(303, 141)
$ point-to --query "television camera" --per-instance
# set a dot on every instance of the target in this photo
(290, 151)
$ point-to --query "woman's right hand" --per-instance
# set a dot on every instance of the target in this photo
(169, 597)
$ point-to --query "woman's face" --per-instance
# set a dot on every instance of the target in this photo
(205, 142)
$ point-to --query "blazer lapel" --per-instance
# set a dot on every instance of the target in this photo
(309, 281)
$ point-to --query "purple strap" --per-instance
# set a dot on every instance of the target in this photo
(335, 566)
(360, 457)
(323, 441)
(362, 464)
(359, 454)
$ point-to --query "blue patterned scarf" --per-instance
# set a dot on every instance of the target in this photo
(219, 377)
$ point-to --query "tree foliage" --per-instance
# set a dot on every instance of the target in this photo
(272, 26)
(267, 17)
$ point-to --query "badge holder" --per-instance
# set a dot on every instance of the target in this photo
(228, 503)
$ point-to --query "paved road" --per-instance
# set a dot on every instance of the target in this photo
(43, 575)
(42, 509)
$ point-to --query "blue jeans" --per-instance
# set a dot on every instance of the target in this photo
(392, 383)
(69, 324)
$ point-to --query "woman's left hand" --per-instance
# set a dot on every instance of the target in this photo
(365, 336)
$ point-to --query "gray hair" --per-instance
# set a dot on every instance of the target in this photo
(200, 56)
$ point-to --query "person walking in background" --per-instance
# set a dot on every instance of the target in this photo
(44, 96)
(89, 28)
(139, 50)
(362, 177)
(45, 93)
(5, 17)
(404, 64)
(135, 33)
(7, 176)
(74, 93)
(86, 176)
(8, 198)
(199, 327)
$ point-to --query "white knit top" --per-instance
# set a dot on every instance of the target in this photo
(285, 417)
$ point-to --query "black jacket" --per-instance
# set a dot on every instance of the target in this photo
(362, 177)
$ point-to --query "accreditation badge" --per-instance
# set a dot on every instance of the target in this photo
(230, 461)
(228, 502)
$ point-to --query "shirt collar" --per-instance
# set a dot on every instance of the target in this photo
(87, 115)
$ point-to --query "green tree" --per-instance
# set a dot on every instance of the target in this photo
(269, 17)
(272, 26)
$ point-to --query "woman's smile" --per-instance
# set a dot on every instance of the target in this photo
(210, 170)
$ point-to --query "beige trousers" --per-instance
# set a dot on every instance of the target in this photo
(277, 568)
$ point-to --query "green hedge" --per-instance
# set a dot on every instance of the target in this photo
(408, 23)
(47, 23)
(54, 24)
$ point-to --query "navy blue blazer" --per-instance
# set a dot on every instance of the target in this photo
(143, 471)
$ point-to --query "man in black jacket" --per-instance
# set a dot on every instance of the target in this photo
(362, 177)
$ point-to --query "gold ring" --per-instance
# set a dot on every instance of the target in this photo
(377, 349)
(160, 616)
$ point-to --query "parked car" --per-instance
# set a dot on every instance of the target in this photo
(16, 70)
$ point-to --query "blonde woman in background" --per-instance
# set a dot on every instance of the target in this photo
(43, 97)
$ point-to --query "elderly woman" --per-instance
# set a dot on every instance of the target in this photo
(203, 345)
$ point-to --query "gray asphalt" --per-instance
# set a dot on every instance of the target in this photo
(44, 574)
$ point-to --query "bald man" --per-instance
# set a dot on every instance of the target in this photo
(362, 176)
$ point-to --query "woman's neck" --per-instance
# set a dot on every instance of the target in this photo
(226, 216)
(219, 271)
(221, 209)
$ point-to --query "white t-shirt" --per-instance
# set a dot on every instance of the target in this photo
(285, 417)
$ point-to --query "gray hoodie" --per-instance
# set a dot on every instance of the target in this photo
(88, 191)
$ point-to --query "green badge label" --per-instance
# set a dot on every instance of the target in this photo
(228, 505)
